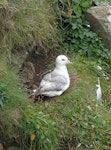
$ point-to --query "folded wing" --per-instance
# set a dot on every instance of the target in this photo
(51, 82)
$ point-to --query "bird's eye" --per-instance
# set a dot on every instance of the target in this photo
(63, 59)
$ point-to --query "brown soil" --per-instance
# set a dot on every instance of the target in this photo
(41, 67)
(34, 68)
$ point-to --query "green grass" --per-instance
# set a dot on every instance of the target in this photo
(64, 121)
(25, 23)
(13, 101)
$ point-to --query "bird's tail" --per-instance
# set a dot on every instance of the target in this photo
(36, 92)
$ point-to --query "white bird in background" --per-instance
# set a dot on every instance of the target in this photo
(57, 81)
(99, 91)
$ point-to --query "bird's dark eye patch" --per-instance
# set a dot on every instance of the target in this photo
(63, 59)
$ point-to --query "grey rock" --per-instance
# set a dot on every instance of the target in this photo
(102, 2)
(100, 21)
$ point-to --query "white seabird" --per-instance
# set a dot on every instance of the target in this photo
(57, 81)
(98, 91)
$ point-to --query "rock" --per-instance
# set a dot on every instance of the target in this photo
(102, 2)
(1, 146)
(28, 71)
(100, 21)
(19, 55)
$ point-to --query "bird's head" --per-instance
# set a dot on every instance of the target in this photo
(62, 60)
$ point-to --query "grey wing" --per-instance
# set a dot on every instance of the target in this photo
(52, 82)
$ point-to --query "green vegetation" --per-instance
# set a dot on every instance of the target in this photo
(3, 95)
(76, 117)
(75, 35)
(12, 101)
(23, 23)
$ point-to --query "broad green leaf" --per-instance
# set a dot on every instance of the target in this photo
(77, 10)
(86, 3)
(74, 26)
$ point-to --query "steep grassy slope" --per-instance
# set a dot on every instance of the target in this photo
(76, 117)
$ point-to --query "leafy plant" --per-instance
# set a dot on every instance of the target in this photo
(78, 38)
(74, 31)
(73, 8)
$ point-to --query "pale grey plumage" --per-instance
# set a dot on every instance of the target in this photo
(57, 81)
